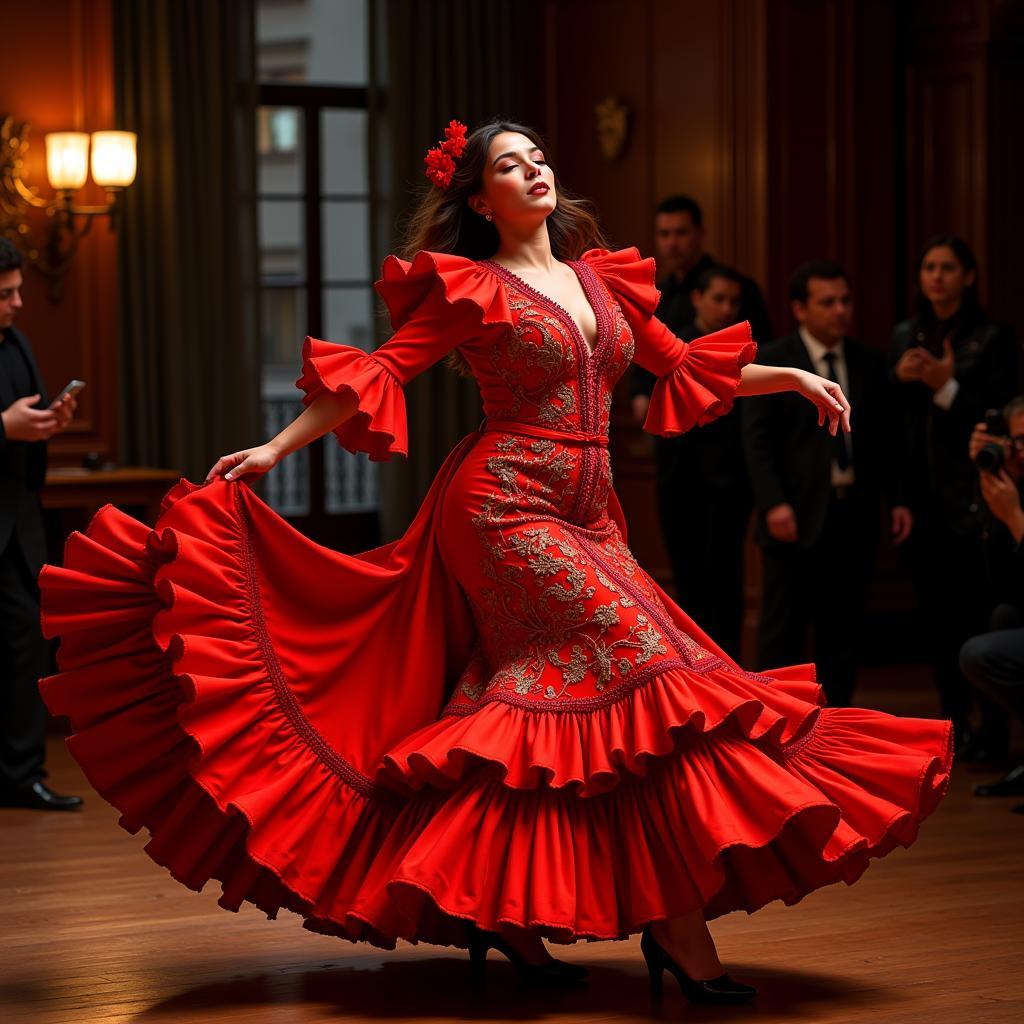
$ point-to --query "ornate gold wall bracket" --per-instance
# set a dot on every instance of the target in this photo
(67, 222)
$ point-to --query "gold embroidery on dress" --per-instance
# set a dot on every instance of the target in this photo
(540, 614)
(551, 618)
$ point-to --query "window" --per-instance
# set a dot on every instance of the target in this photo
(314, 224)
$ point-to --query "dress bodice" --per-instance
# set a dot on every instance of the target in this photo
(526, 352)
(541, 371)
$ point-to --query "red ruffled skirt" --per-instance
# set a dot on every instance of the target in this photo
(316, 731)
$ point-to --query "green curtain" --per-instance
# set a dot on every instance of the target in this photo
(435, 60)
(185, 80)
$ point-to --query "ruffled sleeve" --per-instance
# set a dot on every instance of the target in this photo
(697, 380)
(378, 426)
(436, 303)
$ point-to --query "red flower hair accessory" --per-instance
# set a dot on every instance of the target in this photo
(440, 160)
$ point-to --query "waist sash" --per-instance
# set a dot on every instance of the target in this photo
(544, 433)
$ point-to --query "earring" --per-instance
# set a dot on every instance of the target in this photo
(487, 216)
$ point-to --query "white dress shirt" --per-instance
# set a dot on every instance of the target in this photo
(817, 351)
(943, 397)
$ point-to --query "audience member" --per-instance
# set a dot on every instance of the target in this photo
(679, 247)
(950, 363)
(26, 423)
(704, 498)
(994, 661)
(818, 496)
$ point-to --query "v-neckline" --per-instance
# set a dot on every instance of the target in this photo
(503, 273)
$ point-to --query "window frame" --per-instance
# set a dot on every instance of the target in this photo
(348, 530)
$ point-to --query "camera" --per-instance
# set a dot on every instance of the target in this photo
(992, 455)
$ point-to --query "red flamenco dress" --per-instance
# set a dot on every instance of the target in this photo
(498, 719)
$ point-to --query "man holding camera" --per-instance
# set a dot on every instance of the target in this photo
(994, 661)
(27, 422)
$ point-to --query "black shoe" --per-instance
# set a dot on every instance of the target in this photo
(1011, 784)
(722, 989)
(551, 973)
(39, 797)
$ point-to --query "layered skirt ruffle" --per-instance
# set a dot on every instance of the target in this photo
(715, 791)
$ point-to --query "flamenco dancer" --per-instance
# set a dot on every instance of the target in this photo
(496, 730)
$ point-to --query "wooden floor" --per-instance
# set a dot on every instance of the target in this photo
(93, 931)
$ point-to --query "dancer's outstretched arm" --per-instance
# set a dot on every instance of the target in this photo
(324, 414)
(758, 379)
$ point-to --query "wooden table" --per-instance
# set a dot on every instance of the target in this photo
(88, 490)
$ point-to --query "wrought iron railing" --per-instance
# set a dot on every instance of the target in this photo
(350, 480)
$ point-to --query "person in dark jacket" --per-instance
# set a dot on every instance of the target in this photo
(818, 496)
(950, 363)
(27, 422)
(994, 661)
(679, 247)
(704, 498)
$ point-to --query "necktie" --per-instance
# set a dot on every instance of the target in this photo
(839, 449)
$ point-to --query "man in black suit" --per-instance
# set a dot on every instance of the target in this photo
(27, 421)
(679, 247)
(817, 496)
(679, 244)
(704, 498)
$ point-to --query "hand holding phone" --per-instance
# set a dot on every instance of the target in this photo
(70, 389)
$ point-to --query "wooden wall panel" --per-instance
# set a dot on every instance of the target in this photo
(59, 76)
(946, 152)
(832, 152)
(693, 74)
(1005, 160)
(602, 50)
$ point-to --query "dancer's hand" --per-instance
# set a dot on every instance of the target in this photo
(252, 462)
(828, 396)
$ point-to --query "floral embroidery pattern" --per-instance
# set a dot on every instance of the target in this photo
(545, 625)
(537, 368)
(565, 617)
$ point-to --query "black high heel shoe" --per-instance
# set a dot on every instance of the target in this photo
(551, 972)
(722, 989)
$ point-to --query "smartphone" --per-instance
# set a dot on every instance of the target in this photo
(70, 390)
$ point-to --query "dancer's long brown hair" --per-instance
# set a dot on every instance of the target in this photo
(444, 222)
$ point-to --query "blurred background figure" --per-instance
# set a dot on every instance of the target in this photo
(679, 233)
(26, 424)
(817, 496)
(994, 661)
(703, 492)
(702, 529)
(949, 364)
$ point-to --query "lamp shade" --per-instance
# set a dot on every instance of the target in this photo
(113, 159)
(67, 159)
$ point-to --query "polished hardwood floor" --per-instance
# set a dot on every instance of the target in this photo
(93, 931)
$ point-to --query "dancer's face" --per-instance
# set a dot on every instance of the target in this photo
(518, 185)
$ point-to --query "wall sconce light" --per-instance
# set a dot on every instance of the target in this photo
(113, 163)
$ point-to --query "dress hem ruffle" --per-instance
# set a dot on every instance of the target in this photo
(180, 724)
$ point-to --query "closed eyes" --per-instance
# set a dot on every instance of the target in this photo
(512, 167)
